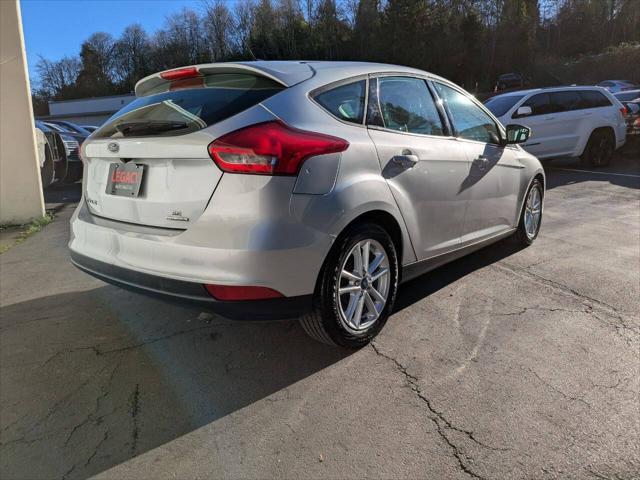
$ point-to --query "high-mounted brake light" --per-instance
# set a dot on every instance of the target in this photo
(271, 148)
(240, 292)
(180, 73)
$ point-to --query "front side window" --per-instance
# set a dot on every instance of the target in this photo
(345, 102)
(540, 104)
(406, 105)
(469, 120)
(185, 106)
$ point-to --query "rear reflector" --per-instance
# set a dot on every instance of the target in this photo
(180, 73)
(271, 148)
(237, 293)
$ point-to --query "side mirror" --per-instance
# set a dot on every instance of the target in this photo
(517, 133)
(524, 112)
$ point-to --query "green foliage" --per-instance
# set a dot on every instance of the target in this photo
(26, 230)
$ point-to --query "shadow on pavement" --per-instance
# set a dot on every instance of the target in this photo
(429, 283)
(91, 379)
(624, 171)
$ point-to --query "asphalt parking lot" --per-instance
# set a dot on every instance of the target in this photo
(505, 364)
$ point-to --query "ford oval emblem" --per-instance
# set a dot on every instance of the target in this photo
(113, 147)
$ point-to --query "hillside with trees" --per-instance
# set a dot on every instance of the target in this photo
(468, 41)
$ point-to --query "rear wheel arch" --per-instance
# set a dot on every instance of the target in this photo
(599, 158)
(606, 129)
(381, 218)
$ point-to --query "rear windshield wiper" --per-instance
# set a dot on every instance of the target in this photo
(138, 128)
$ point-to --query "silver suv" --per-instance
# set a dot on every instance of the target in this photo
(298, 189)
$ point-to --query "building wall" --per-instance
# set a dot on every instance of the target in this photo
(95, 120)
(89, 105)
(20, 185)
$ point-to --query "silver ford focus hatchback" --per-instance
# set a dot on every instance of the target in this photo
(298, 189)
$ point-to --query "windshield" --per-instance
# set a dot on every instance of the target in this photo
(502, 104)
(185, 106)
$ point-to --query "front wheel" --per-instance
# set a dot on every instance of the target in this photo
(356, 290)
(531, 216)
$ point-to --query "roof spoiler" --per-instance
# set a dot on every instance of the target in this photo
(295, 73)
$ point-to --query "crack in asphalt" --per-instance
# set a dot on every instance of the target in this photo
(90, 416)
(621, 327)
(554, 388)
(99, 351)
(438, 418)
(95, 450)
(134, 409)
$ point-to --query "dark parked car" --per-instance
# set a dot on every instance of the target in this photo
(72, 127)
(56, 150)
(510, 80)
(72, 141)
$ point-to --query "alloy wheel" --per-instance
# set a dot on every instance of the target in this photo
(533, 212)
(363, 285)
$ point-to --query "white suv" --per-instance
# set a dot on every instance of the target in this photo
(586, 122)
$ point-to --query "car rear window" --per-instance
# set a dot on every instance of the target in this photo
(185, 106)
(502, 104)
(345, 102)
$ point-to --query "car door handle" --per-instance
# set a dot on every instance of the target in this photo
(549, 117)
(405, 160)
(481, 161)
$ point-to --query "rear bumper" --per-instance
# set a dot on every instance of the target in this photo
(191, 293)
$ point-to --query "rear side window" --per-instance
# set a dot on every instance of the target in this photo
(540, 104)
(502, 104)
(345, 102)
(593, 99)
(406, 105)
(185, 106)
(566, 101)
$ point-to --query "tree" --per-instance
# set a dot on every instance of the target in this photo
(57, 78)
(218, 25)
(131, 57)
(96, 74)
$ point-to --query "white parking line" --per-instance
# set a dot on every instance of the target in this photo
(596, 172)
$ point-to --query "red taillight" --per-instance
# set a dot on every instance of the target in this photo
(624, 112)
(180, 73)
(238, 293)
(271, 148)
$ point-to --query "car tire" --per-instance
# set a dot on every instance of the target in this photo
(599, 149)
(348, 319)
(74, 172)
(527, 232)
